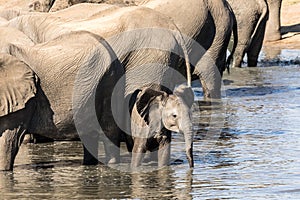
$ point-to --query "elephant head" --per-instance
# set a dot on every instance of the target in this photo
(17, 92)
(156, 110)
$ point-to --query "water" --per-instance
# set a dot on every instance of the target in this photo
(254, 156)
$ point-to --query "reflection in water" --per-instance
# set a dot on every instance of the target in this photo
(248, 145)
(6, 183)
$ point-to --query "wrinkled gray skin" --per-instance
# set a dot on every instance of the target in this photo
(208, 22)
(273, 24)
(146, 47)
(16, 108)
(251, 17)
(125, 29)
(154, 114)
(41, 99)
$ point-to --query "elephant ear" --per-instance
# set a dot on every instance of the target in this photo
(185, 93)
(145, 98)
(17, 84)
(140, 111)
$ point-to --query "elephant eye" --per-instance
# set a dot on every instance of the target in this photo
(174, 115)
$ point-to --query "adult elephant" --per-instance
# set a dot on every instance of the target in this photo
(251, 17)
(44, 88)
(149, 48)
(273, 24)
(210, 24)
(154, 114)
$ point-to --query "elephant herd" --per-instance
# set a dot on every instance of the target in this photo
(117, 72)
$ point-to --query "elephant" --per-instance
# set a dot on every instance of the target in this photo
(154, 114)
(45, 87)
(251, 17)
(273, 25)
(209, 23)
(149, 49)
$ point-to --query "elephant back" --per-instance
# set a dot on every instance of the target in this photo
(17, 84)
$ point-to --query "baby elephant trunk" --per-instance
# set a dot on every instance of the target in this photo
(187, 130)
(189, 148)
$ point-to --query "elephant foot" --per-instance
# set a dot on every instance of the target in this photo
(90, 161)
(252, 62)
(237, 61)
(88, 158)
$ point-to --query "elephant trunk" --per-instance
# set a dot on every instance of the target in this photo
(188, 137)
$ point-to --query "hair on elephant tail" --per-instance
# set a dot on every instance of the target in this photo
(235, 40)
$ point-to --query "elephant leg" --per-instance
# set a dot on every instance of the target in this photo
(209, 76)
(90, 150)
(138, 152)
(12, 131)
(9, 146)
(164, 150)
(112, 150)
(164, 154)
(239, 55)
(211, 84)
(273, 24)
(256, 45)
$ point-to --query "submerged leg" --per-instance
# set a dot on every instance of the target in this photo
(12, 131)
(10, 142)
(90, 150)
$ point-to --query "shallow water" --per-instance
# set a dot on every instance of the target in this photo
(246, 149)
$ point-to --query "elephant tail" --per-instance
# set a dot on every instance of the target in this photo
(188, 66)
(235, 40)
(186, 58)
(264, 16)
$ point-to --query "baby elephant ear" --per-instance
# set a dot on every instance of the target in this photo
(186, 93)
(145, 97)
(17, 84)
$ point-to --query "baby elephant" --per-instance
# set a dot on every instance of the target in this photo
(154, 114)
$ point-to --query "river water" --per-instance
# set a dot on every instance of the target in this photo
(248, 147)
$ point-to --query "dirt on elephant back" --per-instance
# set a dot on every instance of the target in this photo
(290, 26)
